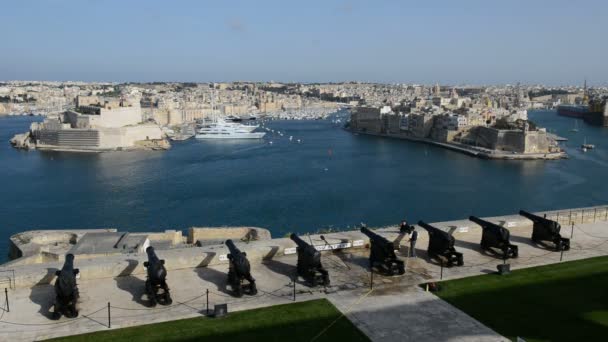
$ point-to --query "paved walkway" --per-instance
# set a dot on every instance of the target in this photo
(399, 311)
(409, 315)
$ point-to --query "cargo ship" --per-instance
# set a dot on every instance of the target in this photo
(594, 114)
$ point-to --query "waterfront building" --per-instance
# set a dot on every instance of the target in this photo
(92, 126)
(420, 125)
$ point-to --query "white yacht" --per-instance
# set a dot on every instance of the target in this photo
(221, 129)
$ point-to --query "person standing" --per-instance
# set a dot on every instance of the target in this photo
(405, 228)
(413, 239)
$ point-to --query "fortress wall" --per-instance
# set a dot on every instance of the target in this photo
(536, 142)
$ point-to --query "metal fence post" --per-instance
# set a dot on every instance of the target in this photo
(109, 317)
(594, 214)
(8, 308)
(572, 232)
(207, 292)
(294, 288)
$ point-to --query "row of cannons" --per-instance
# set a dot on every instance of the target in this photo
(495, 238)
(382, 258)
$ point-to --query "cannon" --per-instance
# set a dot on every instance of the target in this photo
(546, 230)
(495, 236)
(309, 263)
(66, 290)
(238, 271)
(382, 254)
(441, 244)
(157, 274)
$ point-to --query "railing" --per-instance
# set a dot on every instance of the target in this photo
(583, 215)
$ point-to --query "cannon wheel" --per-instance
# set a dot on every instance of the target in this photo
(535, 239)
(71, 311)
(253, 290)
(57, 310)
(483, 246)
(151, 292)
(168, 300)
(514, 253)
(559, 245)
(237, 288)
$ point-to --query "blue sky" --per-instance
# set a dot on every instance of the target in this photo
(553, 42)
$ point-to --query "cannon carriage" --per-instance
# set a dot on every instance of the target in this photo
(309, 263)
(382, 254)
(546, 230)
(495, 236)
(441, 245)
(156, 283)
(66, 290)
(238, 271)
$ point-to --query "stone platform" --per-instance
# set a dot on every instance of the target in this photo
(119, 280)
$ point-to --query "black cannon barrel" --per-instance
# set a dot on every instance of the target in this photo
(427, 226)
(371, 234)
(301, 243)
(151, 254)
(232, 247)
(483, 223)
(437, 233)
(68, 265)
(533, 217)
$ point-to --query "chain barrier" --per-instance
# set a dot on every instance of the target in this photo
(253, 297)
(151, 311)
(55, 323)
(4, 308)
(590, 235)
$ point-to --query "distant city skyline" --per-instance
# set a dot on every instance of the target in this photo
(468, 42)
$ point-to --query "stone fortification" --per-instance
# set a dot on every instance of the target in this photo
(39, 253)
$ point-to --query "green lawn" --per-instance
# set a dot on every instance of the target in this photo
(561, 302)
(289, 322)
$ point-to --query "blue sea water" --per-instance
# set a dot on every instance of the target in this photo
(332, 178)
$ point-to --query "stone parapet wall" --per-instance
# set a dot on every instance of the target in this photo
(223, 233)
(29, 274)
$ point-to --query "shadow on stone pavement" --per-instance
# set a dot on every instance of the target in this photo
(131, 284)
(44, 294)
(217, 278)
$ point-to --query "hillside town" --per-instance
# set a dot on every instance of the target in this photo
(488, 121)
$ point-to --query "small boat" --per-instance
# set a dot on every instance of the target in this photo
(233, 118)
(575, 129)
(586, 146)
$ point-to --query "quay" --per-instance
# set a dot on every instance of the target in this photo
(475, 151)
(112, 275)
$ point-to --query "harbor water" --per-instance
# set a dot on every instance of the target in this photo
(324, 177)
